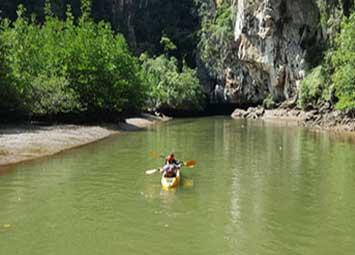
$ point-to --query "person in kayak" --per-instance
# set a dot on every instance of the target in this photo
(171, 166)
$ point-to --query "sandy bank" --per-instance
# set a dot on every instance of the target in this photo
(26, 142)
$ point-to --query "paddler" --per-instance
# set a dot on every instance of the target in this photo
(171, 166)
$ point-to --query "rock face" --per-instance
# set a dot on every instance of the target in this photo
(269, 53)
(272, 39)
(144, 22)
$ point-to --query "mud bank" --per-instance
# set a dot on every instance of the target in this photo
(26, 142)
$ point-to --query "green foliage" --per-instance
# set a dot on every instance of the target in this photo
(313, 89)
(61, 67)
(9, 97)
(343, 61)
(170, 88)
(334, 80)
(332, 13)
(167, 44)
(85, 10)
(216, 35)
(143, 23)
(102, 70)
(269, 102)
(48, 8)
(52, 95)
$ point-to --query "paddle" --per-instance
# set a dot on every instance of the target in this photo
(152, 171)
(190, 163)
(155, 154)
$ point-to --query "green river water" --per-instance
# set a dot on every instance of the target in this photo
(257, 188)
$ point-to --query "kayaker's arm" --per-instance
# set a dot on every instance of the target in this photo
(179, 163)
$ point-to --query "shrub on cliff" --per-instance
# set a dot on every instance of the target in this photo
(343, 61)
(334, 80)
(313, 89)
(216, 35)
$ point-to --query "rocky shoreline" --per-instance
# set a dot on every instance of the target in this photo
(322, 119)
(27, 142)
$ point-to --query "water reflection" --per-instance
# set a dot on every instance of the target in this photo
(257, 188)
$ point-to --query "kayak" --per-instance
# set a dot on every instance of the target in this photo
(171, 182)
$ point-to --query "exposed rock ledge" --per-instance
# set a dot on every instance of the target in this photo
(321, 119)
(26, 142)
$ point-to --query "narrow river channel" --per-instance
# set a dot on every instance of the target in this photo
(257, 188)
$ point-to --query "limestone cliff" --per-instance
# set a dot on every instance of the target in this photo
(244, 50)
(272, 39)
(275, 43)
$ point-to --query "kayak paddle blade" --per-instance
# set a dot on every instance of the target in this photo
(155, 154)
(190, 163)
(152, 171)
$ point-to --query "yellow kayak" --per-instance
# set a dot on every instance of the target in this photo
(171, 182)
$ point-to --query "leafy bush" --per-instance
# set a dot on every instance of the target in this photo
(313, 89)
(334, 80)
(52, 95)
(102, 70)
(170, 88)
(67, 66)
(9, 97)
(75, 66)
(343, 60)
(269, 102)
